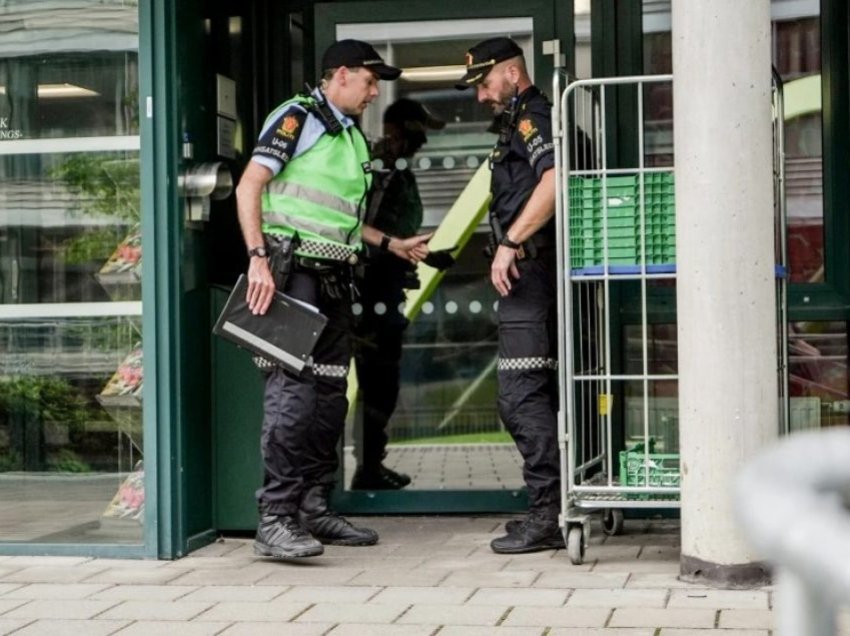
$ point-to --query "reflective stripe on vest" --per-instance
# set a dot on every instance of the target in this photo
(306, 193)
(306, 227)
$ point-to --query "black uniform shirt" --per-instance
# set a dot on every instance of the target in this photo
(521, 156)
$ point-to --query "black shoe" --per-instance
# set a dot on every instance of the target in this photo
(327, 526)
(532, 534)
(382, 478)
(283, 537)
(512, 525)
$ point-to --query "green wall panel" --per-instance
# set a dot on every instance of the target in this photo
(237, 398)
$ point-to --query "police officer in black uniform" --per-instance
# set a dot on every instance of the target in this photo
(523, 272)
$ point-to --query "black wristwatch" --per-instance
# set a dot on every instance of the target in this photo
(509, 243)
(385, 242)
(257, 251)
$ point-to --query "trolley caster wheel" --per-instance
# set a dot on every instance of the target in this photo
(575, 545)
(612, 521)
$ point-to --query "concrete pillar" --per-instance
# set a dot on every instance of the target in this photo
(726, 288)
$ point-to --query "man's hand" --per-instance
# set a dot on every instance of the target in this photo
(412, 249)
(503, 269)
(260, 286)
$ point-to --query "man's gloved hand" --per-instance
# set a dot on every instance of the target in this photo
(440, 259)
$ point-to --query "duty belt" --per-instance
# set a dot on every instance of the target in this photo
(322, 265)
(328, 251)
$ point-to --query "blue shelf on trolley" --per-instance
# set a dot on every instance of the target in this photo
(780, 271)
(624, 270)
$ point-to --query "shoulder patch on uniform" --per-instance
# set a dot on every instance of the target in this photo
(526, 128)
(288, 127)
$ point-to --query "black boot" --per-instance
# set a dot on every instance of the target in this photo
(538, 531)
(327, 526)
(379, 478)
(512, 525)
(283, 537)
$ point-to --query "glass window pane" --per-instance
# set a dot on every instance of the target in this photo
(70, 274)
(658, 415)
(445, 431)
(797, 57)
(819, 387)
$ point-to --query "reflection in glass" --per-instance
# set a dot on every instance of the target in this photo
(70, 230)
(71, 366)
(796, 40)
(70, 430)
(818, 382)
(660, 413)
(656, 419)
(445, 432)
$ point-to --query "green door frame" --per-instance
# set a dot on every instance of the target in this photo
(174, 293)
(157, 68)
(552, 19)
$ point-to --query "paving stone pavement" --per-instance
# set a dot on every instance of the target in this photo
(428, 576)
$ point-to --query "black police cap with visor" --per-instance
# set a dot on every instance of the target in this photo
(412, 116)
(355, 53)
(482, 57)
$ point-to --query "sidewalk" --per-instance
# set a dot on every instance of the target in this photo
(427, 576)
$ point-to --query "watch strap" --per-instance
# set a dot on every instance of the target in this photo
(509, 243)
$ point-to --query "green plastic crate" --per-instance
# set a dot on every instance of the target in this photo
(620, 211)
(663, 467)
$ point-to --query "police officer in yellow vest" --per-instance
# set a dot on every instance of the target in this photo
(303, 195)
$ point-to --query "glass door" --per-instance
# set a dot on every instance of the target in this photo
(71, 469)
(444, 433)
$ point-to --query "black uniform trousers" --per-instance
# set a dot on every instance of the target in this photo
(377, 355)
(378, 360)
(304, 414)
(528, 390)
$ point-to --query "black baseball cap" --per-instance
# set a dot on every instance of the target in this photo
(412, 115)
(482, 57)
(354, 53)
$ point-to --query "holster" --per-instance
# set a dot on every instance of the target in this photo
(493, 238)
(281, 257)
(528, 249)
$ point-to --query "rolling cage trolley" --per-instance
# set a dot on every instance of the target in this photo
(617, 367)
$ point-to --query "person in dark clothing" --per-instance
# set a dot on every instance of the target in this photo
(523, 272)
(396, 210)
